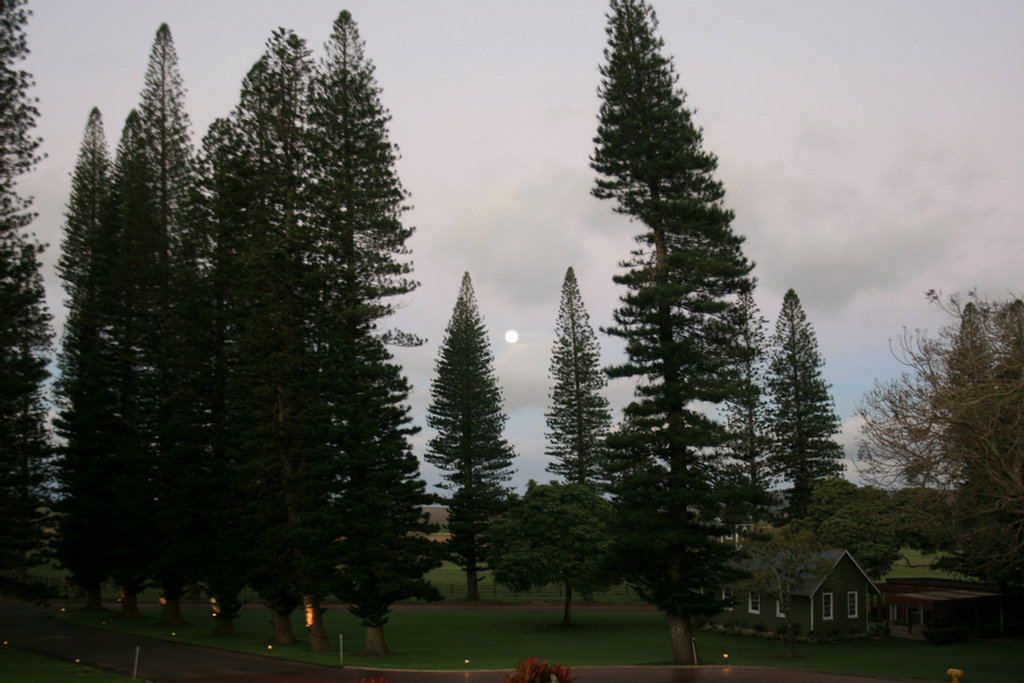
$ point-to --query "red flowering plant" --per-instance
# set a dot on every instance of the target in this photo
(530, 670)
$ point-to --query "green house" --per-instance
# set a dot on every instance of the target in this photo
(838, 604)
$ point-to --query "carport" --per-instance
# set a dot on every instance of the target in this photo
(938, 603)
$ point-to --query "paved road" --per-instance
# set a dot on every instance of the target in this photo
(34, 629)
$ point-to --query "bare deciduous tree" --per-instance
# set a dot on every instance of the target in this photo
(954, 420)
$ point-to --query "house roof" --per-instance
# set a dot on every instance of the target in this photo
(831, 557)
(834, 556)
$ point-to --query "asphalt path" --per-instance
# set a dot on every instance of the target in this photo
(35, 629)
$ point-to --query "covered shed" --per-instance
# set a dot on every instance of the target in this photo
(928, 603)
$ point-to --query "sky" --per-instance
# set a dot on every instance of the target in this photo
(870, 150)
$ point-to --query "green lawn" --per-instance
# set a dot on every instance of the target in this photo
(23, 667)
(914, 563)
(496, 639)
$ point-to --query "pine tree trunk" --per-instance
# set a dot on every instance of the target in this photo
(94, 599)
(472, 585)
(130, 605)
(224, 624)
(318, 641)
(376, 645)
(282, 621)
(680, 631)
(566, 616)
(172, 613)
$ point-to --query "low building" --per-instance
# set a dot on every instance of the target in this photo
(915, 604)
(838, 604)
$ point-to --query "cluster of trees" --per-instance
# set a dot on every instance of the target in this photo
(230, 414)
(24, 322)
(229, 411)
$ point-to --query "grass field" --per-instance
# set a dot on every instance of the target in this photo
(917, 564)
(496, 639)
(22, 667)
(450, 581)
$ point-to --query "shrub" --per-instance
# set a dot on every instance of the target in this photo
(949, 634)
(530, 670)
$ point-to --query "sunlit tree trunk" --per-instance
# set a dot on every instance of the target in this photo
(318, 641)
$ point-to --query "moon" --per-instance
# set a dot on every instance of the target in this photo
(511, 336)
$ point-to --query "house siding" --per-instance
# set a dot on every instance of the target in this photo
(845, 578)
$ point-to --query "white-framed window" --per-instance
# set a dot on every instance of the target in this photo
(753, 603)
(851, 604)
(826, 606)
(780, 610)
(727, 597)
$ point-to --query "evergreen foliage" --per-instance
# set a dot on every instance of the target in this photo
(25, 336)
(303, 252)
(680, 321)
(86, 400)
(18, 113)
(747, 420)
(273, 390)
(24, 438)
(358, 202)
(178, 463)
(133, 343)
(356, 190)
(469, 449)
(802, 413)
(578, 417)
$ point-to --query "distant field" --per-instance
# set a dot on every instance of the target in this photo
(917, 564)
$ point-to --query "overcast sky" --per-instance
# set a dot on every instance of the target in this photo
(870, 150)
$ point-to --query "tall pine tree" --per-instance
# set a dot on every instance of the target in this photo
(747, 421)
(133, 340)
(165, 131)
(679, 319)
(469, 448)
(86, 401)
(24, 321)
(277, 428)
(802, 413)
(578, 417)
(218, 212)
(357, 205)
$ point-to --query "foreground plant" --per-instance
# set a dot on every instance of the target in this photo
(530, 670)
